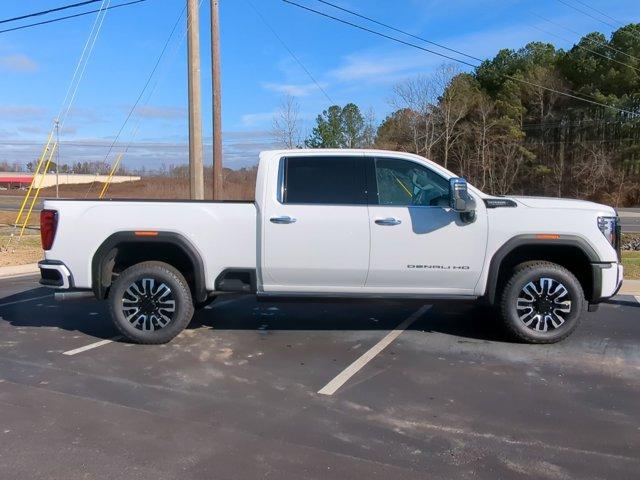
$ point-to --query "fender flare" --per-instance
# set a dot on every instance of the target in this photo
(533, 240)
(106, 252)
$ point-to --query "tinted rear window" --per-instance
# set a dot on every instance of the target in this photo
(324, 180)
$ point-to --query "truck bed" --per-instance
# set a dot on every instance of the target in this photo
(223, 233)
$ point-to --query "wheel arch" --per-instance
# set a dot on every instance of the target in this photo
(125, 248)
(570, 251)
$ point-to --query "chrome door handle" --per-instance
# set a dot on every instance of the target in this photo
(283, 220)
(388, 221)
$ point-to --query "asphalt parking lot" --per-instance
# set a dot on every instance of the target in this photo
(630, 220)
(237, 395)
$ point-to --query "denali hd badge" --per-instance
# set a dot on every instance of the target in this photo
(440, 267)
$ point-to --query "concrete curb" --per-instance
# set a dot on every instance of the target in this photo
(630, 287)
(19, 270)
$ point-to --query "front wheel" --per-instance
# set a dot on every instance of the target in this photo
(150, 303)
(542, 302)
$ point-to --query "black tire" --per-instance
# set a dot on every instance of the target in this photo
(542, 302)
(150, 303)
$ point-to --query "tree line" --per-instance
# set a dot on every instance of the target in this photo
(529, 121)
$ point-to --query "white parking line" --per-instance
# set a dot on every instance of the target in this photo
(331, 387)
(91, 346)
(25, 300)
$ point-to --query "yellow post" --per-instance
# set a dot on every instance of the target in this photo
(35, 196)
(35, 174)
(113, 170)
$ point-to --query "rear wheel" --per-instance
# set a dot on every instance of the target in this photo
(150, 303)
(542, 302)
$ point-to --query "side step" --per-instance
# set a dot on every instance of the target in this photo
(238, 280)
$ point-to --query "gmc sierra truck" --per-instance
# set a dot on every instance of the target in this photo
(337, 224)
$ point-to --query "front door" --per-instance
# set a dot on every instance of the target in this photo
(316, 232)
(418, 244)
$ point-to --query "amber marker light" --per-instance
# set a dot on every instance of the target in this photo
(547, 236)
(146, 234)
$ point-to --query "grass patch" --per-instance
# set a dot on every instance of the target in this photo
(8, 218)
(631, 262)
(28, 250)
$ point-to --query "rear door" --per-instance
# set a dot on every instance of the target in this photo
(418, 244)
(316, 229)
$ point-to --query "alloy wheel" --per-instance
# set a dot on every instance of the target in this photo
(148, 304)
(543, 304)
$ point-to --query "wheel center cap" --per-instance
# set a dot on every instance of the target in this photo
(148, 306)
(544, 305)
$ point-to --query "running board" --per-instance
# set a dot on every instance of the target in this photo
(301, 296)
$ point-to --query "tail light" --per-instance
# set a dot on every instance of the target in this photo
(48, 226)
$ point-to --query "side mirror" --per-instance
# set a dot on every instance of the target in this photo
(460, 200)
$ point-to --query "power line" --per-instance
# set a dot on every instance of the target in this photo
(602, 44)
(598, 11)
(594, 52)
(83, 62)
(621, 110)
(293, 55)
(594, 17)
(144, 88)
(463, 62)
(372, 20)
(578, 123)
(586, 13)
(45, 12)
(136, 128)
(69, 16)
(360, 27)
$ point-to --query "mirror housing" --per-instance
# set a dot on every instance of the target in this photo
(460, 201)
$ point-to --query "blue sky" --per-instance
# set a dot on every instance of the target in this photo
(36, 66)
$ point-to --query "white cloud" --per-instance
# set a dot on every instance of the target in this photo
(257, 119)
(383, 66)
(391, 64)
(162, 112)
(13, 112)
(19, 63)
(240, 149)
(299, 90)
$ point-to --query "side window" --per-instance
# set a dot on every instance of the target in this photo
(324, 180)
(404, 183)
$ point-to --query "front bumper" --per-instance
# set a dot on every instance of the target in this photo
(607, 280)
(55, 274)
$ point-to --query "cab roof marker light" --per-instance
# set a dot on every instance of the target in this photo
(547, 236)
(146, 234)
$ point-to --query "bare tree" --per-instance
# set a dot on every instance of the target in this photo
(508, 156)
(452, 108)
(592, 170)
(484, 124)
(286, 123)
(369, 132)
(419, 95)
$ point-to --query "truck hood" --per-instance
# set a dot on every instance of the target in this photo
(563, 203)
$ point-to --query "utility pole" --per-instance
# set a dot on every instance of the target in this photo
(196, 174)
(57, 157)
(217, 101)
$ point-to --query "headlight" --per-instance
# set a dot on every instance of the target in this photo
(607, 226)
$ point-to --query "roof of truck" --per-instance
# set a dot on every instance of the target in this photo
(338, 151)
(351, 151)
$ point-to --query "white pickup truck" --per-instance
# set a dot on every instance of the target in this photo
(337, 224)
